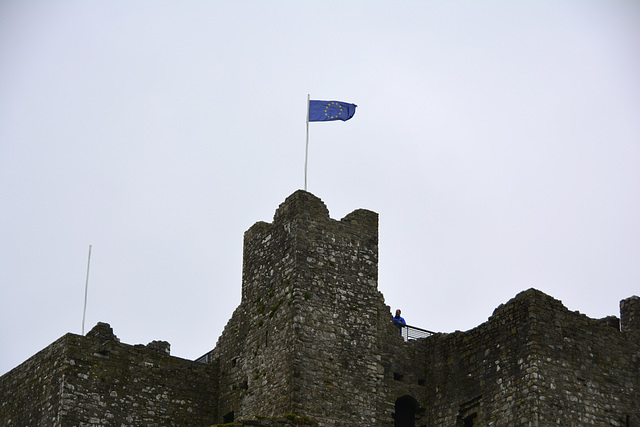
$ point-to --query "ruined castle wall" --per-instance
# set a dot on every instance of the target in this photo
(404, 375)
(81, 381)
(534, 363)
(487, 375)
(254, 349)
(589, 371)
(30, 393)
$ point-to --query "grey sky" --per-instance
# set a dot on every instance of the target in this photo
(498, 141)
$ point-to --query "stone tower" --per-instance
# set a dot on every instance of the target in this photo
(311, 325)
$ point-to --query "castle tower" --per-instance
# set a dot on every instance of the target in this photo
(310, 320)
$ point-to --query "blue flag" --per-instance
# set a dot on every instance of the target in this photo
(324, 111)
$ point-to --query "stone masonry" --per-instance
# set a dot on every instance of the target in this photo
(97, 381)
(312, 344)
(534, 363)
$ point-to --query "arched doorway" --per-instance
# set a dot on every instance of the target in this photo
(405, 414)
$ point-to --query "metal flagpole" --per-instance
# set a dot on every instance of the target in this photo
(86, 287)
(306, 150)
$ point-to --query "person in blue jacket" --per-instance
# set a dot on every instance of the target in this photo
(398, 320)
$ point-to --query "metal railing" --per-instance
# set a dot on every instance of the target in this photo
(413, 333)
(205, 358)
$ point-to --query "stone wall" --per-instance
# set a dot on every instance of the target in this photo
(534, 363)
(96, 380)
(589, 372)
(30, 393)
(485, 375)
(335, 322)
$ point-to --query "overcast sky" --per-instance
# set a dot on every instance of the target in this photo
(499, 141)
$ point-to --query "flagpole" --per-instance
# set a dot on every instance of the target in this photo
(306, 150)
(86, 287)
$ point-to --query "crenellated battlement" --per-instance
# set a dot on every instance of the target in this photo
(303, 234)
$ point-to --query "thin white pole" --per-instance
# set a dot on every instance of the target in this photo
(86, 288)
(306, 150)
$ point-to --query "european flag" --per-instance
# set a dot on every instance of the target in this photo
(324, 111)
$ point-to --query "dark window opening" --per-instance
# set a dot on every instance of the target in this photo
(228, 418)
(467, 417)
(405, 414)
(421, 381)
(470, 420)
(397, 376)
